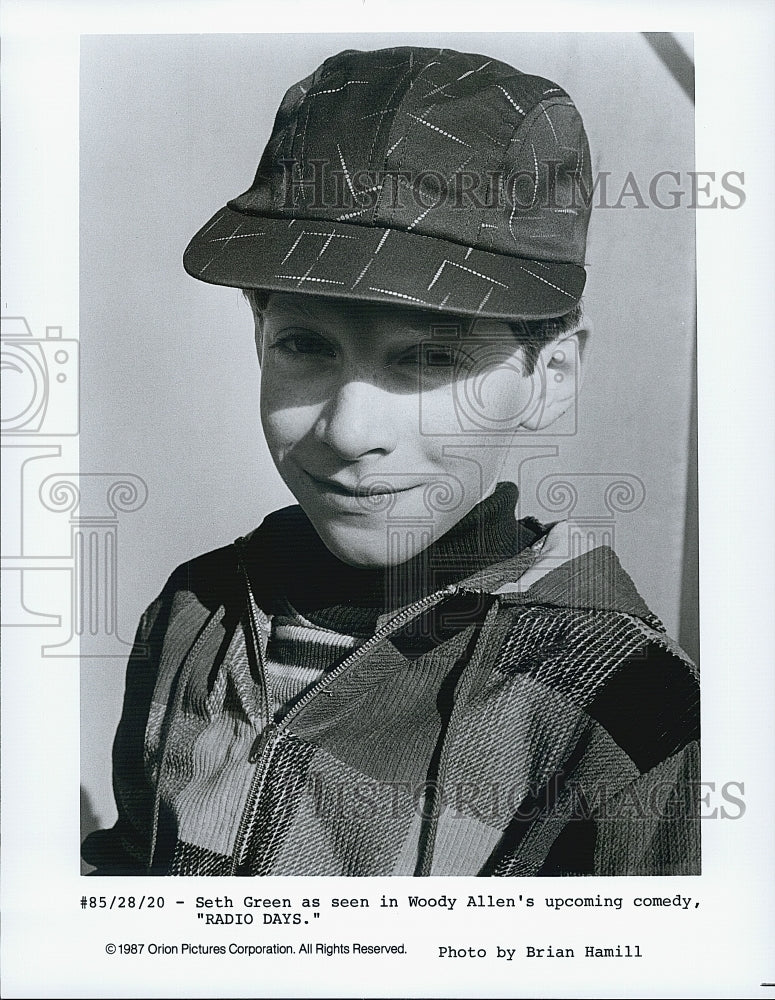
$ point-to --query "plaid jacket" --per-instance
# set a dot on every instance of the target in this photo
(532, 720)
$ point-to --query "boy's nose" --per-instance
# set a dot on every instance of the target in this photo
(356, 421)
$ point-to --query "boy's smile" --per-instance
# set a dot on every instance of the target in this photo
(359, 402)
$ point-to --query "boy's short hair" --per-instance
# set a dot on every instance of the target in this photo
(531, 334)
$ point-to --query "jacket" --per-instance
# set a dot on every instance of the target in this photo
(532, 719)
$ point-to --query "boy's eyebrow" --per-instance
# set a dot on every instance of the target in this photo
(429, 325)
(299, 308)
(419, 324)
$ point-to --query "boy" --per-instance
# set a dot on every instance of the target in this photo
(397, 677)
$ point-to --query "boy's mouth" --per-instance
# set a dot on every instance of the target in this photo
(359, 492)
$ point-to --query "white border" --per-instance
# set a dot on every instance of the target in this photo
(50, 947)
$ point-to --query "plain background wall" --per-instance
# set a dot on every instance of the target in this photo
(172, 127)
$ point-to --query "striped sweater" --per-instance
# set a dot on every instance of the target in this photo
(500, 710)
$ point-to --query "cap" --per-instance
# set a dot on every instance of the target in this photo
(422, 177)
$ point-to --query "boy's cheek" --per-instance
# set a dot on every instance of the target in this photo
(286, 412)
(279, 437)
(491, 404)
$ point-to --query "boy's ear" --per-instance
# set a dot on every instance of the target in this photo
(557, 378)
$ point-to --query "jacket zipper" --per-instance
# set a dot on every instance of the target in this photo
(262, 750)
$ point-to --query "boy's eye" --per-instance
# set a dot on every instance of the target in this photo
(440, 356)
(304, 342)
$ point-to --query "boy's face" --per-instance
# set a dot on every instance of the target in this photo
(388, 424)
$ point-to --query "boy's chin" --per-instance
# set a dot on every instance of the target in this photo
(371, 549)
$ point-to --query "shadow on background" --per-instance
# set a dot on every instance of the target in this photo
(681, 67)
(689, 635)
(89, 823)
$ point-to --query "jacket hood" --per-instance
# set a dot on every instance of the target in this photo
(567, 570)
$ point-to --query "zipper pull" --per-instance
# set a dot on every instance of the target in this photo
(260, 742)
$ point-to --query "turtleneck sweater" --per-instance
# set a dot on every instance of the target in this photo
(322, 608)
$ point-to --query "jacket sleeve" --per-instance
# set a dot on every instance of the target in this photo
(125, 848)
(649, 824)
(625, 800)
(652, 826)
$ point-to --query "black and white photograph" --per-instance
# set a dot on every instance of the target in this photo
(365, 513)
(432, 661)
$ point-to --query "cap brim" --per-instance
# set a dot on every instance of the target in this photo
(342, 260)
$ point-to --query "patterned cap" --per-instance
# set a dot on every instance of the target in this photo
(422, 177)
